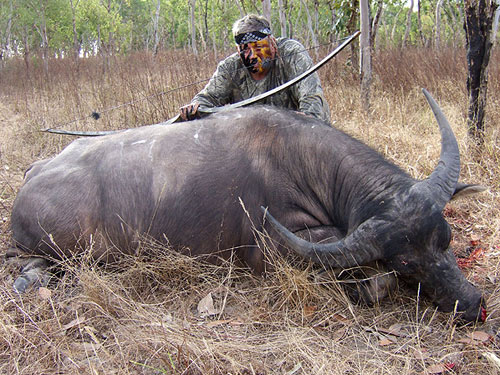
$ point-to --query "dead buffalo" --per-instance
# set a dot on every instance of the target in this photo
(333, 199)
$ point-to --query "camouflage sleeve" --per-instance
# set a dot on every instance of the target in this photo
(218, 90)
(308, 92)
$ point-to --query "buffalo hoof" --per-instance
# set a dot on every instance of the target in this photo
(33, 272)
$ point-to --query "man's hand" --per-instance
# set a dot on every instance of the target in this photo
(189, 112)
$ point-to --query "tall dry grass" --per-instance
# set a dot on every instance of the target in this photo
(145, 318)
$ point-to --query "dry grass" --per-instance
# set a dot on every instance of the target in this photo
(144, 320)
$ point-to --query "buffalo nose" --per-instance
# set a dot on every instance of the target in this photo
(476, 312)
(484, 314)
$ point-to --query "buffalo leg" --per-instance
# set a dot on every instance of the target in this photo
(33, 271)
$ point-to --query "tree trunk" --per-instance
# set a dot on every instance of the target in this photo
(351, 28)
(375, 23)
(41, 28)
(289, 18)
(479, 15)
(316, 18)
(5, 43)
(282, 18)
(297, 19)
(242, 11)
(214, 36)
(425, 42)
(202, 37)
(495, 24)
(365, 55)
(395, 24)
(332, 35)
(266, 9)
(450, 9)
(27, 50)
(45, 42)
(408, 24)
(192, 23)
(205, 25)
(437, 32)
(76, 42)
(156, 32)
(312, 35)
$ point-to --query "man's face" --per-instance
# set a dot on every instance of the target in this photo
(257, 56)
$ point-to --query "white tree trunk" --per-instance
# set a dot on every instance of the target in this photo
(282, 17)
(393, 32)
(495, 24)
(156, 32)
(214, 36)
(266, 9)
(242, 13)
(408, 23)
(5, 44)
(192, 23)
(454, 24)
(419, 23)
(437, 35)
(76, 43)
(375, 25)
(314, 40)
(365, 55)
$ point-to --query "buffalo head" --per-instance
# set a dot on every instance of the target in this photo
(407, 232)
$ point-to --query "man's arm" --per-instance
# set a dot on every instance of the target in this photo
(308, 92)
(218, 90)
(216, 93)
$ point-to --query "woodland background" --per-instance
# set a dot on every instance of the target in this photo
(135, 63)
(40, 30)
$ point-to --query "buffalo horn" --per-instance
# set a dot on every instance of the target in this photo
(442, 182)
(351, 251)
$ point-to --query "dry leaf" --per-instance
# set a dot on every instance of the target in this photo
(439, 368)
(396, 330)
(44, 293)
(206, 306)
(393, 330)
(477, 338)
(422, 354)
(74, 323)
(84, 347)
(481, 336)
(309, 310)
(341, 318)
(385, 342)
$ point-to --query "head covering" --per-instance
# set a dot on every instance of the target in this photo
(251, 28)
(252, 36)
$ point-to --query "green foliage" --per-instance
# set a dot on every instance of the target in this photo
(120, 26)
(59, 24)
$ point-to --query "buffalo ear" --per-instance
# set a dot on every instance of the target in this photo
(463, 190)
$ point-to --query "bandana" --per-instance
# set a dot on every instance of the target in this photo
(252, 36)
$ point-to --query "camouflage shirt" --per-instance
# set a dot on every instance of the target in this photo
(232, 83)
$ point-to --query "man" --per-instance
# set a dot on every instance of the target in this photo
(261, 64)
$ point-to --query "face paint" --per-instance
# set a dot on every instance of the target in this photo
(256, 56)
